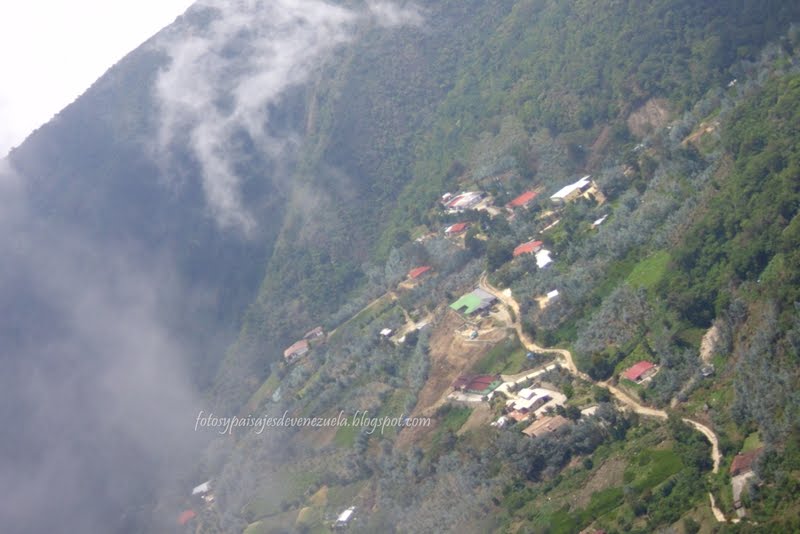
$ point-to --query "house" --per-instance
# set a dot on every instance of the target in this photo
(547, 299)
(640, 371)
(314, 334)
(477, 300)
(570, 192)
(478, 385)
(345, 517)
(462, 201)
(543, 258)
(545, 425)
(455, 229)
(415, 273)
(186, 516)
(296, 350)
(518, 416)
(202, 489)
(599, 221)
(743, 462)
(535, 400)
(523, 200)
(531, 247)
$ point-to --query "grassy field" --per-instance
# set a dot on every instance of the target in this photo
(507, 357)
(648, 272)
(265, 391)
(652, 467)
(752, 442)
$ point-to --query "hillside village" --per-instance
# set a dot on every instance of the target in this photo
(525, 319)
(526, 401)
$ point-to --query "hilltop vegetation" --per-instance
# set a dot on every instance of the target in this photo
(685, 114)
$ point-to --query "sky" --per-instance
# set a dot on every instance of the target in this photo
(51, 51)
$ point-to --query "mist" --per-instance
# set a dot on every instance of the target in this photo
(97, 406)
(235, 62)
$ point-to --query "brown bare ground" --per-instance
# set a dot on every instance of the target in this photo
(651, 115)
(451, 355)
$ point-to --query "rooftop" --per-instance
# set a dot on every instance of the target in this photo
(523, 200)
(474, 301)
(456, 228)
(298, 347)
(636, 371)
(527, 248)
(567, 190)
(744, 461)
(418, 271)
(545, 425)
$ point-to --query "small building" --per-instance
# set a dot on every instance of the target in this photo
(345, 517)
(640, 371)
(296, 350)
(599, 221)
(743, 462)
(186, 516)
(477, 385)
(523, 200)
(531, 247)
(202, 489)
(518, 416)
(415, 273)
(314, 333)
(531, 400)
(572, 191)
(543, 258)
(707, 370)
(462, 201)
(548, 298)
(386, 332)
(455, 229)
(477, 300)
(545, 425)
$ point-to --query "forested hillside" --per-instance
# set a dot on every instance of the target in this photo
(258, 169)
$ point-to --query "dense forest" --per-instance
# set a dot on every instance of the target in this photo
(203, 206)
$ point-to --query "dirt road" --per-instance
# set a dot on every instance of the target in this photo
(508, 300)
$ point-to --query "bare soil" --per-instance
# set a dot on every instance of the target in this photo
(652, 115)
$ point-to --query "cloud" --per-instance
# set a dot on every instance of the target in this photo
(390, 14)
(97, 404)
(224, 75)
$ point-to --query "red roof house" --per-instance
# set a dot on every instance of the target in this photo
(419, 271)
(531, 247)
(639, 371)
(523, 200)
(186, 516)
(481, 384)
(743, 462)
(456, 228)
(295, 350)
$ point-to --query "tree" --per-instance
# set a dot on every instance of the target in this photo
(498, 252)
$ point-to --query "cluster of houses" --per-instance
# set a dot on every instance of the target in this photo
(301, 347)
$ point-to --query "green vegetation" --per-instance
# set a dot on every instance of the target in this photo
(507, 357)
(649, 272)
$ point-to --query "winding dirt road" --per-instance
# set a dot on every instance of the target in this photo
(508, 300)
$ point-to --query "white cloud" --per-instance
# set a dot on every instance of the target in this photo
(247, 57)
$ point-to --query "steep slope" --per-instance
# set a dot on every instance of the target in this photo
(259, 168)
